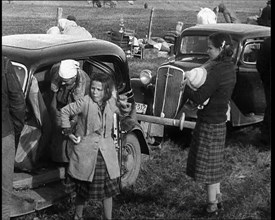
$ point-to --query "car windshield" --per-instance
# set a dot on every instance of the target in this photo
(197, 45)
(194, 44)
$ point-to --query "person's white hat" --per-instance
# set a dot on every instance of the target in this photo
(68, 69)
(197, 76)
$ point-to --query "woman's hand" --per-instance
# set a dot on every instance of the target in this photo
(75, 139)
(124, 104)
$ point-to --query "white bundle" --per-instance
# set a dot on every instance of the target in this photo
(206, 16)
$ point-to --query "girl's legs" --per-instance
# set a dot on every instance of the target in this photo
(219, 197)
(79, 206)
(107, 206)
(212, 191)
(218, 188)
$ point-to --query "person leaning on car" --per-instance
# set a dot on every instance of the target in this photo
(13, 115)
(263, 65)
(68, 84)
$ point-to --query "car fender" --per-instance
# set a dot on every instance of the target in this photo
(237, 118)
(130, 125)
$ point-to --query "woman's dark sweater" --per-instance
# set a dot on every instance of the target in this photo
(219, 85)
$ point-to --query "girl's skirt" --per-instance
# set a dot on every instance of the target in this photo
(205, 158)
(100, 188)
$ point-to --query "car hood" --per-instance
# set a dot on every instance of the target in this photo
(188, 63)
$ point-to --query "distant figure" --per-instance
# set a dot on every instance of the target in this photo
(145, 5)
(265, 18)
(229, 15)
(97, 3)
(71, 18)
(53, 30)
(206, 16)
(112, 4)
(131, 2)
(71, 28)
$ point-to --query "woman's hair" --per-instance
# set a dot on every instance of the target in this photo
(223, 41)
(107, 84)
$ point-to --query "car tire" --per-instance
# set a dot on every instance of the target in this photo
(131, 160)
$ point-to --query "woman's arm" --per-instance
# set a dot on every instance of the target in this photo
(205, 91)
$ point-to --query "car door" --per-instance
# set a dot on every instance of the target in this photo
(249, 94)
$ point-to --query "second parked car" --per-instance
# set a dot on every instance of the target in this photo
(159, 98)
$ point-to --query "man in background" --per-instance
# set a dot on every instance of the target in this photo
(229, 15)
(13, 115)
(265, 18)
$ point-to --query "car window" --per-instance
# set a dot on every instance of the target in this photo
(250, 52)
(104, 65)
(89, 68)
(22, 73)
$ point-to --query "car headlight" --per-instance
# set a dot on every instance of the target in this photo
(145, 76)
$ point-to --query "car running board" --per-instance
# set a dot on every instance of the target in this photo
(30, 200)
(36, 190)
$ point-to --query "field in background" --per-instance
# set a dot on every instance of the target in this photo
(38, 16)
(178, 5)
(162, 190)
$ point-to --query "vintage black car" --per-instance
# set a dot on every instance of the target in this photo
(158, 98)
(32, 56)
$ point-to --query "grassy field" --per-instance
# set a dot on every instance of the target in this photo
(162, 190)
(38, 16)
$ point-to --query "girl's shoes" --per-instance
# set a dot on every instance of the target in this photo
(212, 209)
(220, 203)
(77, 217)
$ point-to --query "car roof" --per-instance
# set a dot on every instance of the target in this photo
(39, 41)
(238, 30)
(37, 48)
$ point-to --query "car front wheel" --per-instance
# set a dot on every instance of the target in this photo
(131, 160)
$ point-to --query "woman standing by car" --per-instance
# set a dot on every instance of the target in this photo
(205, 159)
(68, 84)
(94, 167)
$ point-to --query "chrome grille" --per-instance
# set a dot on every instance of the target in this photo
(167, 91)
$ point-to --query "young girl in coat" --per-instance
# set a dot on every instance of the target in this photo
(93, 166)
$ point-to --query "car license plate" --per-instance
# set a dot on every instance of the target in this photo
(141, 108)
